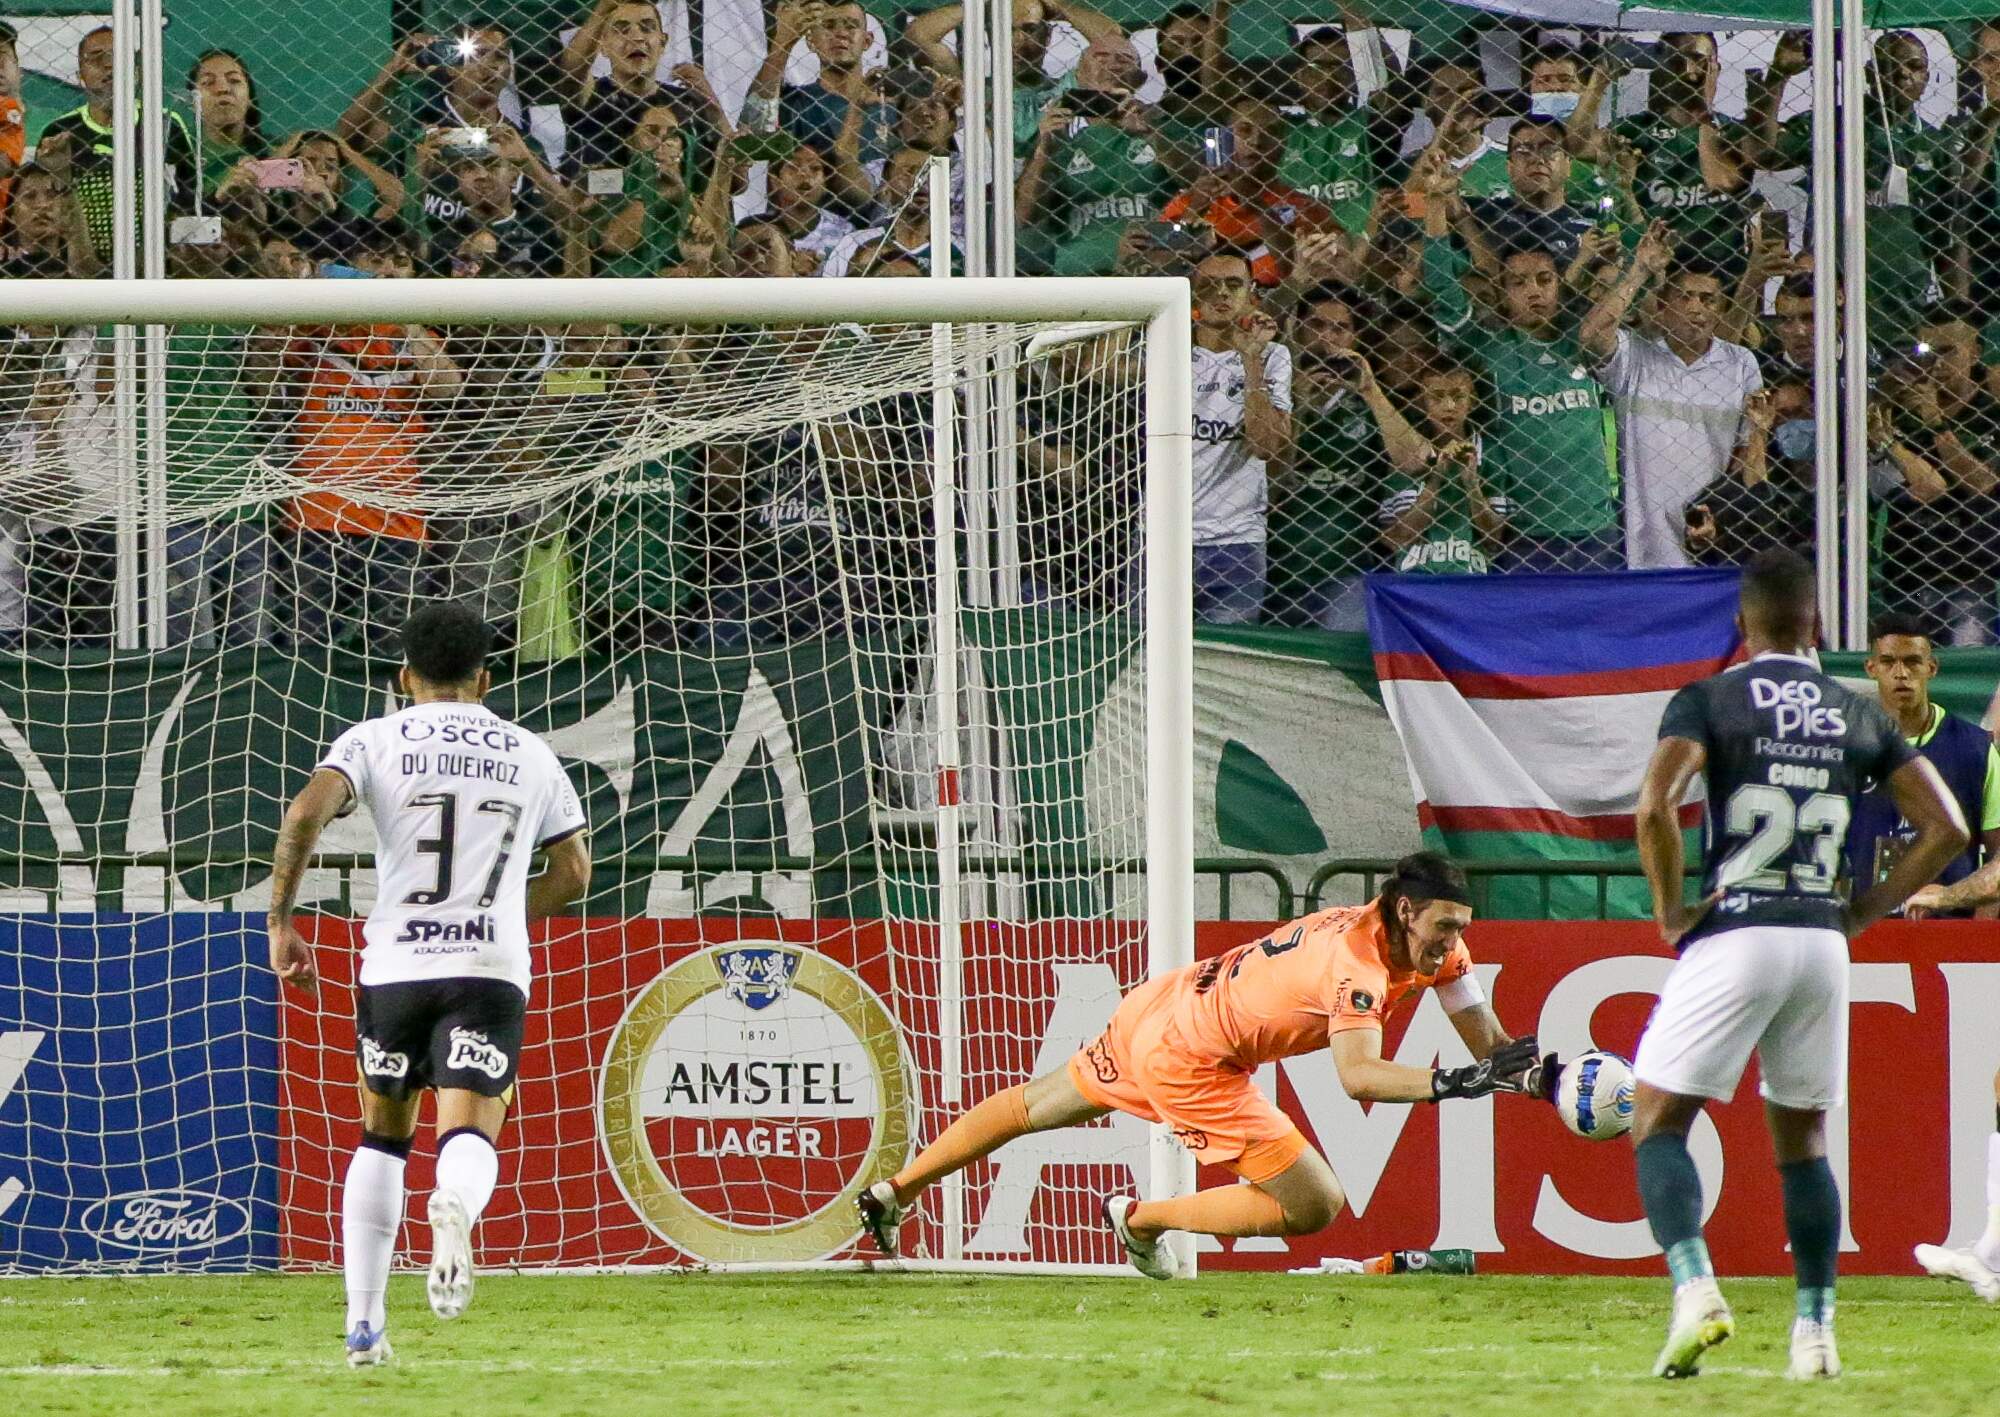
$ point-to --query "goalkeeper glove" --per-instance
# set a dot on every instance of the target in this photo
(1545, 1077)
(1505, 1069)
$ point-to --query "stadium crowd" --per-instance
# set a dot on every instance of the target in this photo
(1453, 317)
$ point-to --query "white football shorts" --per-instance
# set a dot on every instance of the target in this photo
(1778, 989)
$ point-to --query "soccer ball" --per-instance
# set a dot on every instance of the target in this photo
(1594, 1095)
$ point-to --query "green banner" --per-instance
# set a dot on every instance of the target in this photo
(729, 763)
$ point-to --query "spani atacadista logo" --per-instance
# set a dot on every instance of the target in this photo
(747, 1094)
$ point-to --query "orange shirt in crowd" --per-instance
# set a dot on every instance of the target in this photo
(1236, 225)
(358, 425)
(13, 143)
(1288, 993)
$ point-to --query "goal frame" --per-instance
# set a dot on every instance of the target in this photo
(140, 311)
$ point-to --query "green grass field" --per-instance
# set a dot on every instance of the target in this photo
(771, 1346)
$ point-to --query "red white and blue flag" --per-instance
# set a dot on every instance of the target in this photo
(1528, 705)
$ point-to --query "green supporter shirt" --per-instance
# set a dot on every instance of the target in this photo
(1548, 447)
(1450, 545)
(1330, 163)
(1031, 101)
(661, 226)
(1670, 186)
(1902, 228)
(89, 146)
(634, 544)
(1321, 521)
(217, 159)
(212, 441)
(1102, 178)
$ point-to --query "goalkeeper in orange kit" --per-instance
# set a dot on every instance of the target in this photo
(1182, 1049)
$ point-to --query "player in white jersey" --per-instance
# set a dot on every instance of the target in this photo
(462, 800)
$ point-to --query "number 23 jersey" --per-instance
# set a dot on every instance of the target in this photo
(462, 800)
(1789, 751)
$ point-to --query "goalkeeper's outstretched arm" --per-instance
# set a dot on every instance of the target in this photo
(1366, 1076)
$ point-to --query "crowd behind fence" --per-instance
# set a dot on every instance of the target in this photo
(1474, 295)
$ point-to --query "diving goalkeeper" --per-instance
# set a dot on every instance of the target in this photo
(1182, 1049)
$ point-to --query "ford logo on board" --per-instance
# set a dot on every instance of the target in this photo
(166, 1220)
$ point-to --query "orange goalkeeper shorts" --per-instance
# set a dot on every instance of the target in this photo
(1141, 1065)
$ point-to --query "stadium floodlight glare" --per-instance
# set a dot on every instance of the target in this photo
(838, 651)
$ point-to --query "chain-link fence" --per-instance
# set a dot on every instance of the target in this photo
(1478, 292)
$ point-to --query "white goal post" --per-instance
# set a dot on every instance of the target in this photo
(924, 342)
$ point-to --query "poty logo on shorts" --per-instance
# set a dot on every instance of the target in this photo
(170, 1220)
(472, 1050)
(750, 1091)
(377, 1061)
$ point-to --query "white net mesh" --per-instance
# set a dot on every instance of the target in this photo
(711, 559)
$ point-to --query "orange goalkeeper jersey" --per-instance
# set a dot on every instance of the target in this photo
(1291, 991)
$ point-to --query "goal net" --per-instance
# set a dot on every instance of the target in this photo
(832, 596)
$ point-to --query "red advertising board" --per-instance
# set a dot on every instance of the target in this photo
(709, 1090)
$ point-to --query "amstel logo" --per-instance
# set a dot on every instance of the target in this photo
(748, 1093)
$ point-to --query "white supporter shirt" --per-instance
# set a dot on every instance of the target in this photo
(462, 799)
(1677, 426)
(1230, 486)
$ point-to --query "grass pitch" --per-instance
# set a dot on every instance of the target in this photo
(772, 1346)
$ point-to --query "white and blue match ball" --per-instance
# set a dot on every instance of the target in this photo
(1594, 1095)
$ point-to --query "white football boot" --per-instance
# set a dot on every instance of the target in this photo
(1149, 1257)
(366, 1347)
(1960, 1264)
(450, 1282)
(1813, 1353)
(882, 1217)
(1701, 1320)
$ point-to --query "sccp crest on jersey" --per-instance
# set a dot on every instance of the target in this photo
(747, 1094)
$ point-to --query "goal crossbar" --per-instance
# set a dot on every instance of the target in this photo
(507, 302)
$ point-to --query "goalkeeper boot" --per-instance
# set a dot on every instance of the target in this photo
(1149, 1257)
(1701, 1320)
(1813, 1353)
(1960, 1264)
(450, 1282)
(882, 1216)
(366, 1347)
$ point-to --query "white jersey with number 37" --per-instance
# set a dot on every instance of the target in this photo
(462, 800)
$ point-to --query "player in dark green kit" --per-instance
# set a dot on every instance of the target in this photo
(1785, 752)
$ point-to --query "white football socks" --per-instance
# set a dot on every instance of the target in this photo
(371, 1210)
(1988, 1248)
(467, 1164)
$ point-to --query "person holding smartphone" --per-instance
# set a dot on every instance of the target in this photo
(1346, 435)
(1251, 209)
(1440, 517)
(1687, 161)
(1094, 169)
(603, 112)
